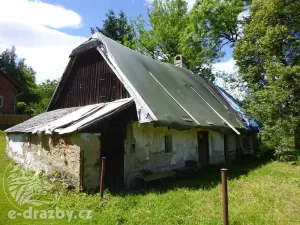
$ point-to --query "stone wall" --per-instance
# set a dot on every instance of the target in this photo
(55, 153)
(75, 156)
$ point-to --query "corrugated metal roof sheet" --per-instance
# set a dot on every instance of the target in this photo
(70, 119)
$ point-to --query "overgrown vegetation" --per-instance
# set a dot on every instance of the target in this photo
(259, 193)
(283, 154)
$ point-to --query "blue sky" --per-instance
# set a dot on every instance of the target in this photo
(45, 31)
(93, 11)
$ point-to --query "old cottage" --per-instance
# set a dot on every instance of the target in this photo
(140, 113)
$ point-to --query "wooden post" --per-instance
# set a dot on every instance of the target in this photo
(224, 196)
(102, 176)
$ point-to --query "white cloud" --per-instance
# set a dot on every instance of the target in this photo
(227, 66)
(38, 13)
(32, 29)
(190, 3)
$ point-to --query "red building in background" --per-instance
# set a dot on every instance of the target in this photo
(9, 89)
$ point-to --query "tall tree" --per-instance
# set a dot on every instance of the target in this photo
(116, 27)
(213, 24)
(268, 57)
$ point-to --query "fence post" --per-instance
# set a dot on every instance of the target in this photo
(224, 196)
(102, 176)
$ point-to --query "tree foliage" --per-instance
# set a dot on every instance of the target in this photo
(46, 90)
(160, 39)
(116, 27)
(268, 57)
(212, 25)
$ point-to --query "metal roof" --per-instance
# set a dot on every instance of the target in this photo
(69, 120)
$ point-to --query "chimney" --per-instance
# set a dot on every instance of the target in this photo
(179, 61)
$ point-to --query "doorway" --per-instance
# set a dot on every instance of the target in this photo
(112, 147)
(203, 147)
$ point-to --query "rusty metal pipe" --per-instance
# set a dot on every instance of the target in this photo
(224, 196)
(102, 176)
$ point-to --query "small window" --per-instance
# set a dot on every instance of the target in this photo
(1, 101)
(168, 144)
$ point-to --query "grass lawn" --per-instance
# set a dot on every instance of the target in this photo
(259, 193)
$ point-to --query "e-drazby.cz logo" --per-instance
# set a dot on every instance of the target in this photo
(50, 214)
(24, 189)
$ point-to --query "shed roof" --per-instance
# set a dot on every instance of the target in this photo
(68, 120)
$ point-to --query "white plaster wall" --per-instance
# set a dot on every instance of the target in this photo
(231, 140)
(90, 147)
(14, 147)
(216, 148)
(150, 149)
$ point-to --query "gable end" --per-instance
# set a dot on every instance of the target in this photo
(88, 80)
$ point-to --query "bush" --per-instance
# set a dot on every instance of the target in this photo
(21, 107)
(284, 154)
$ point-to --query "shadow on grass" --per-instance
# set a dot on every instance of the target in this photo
(207, 178)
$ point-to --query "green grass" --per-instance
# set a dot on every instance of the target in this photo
(259, 193)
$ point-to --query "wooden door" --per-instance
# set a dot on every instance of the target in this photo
(203, 148)
(112, 147)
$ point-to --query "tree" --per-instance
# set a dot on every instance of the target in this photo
(212, 25)
(268, 57)
(46, 91)
(161, 38)
(116, 28)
